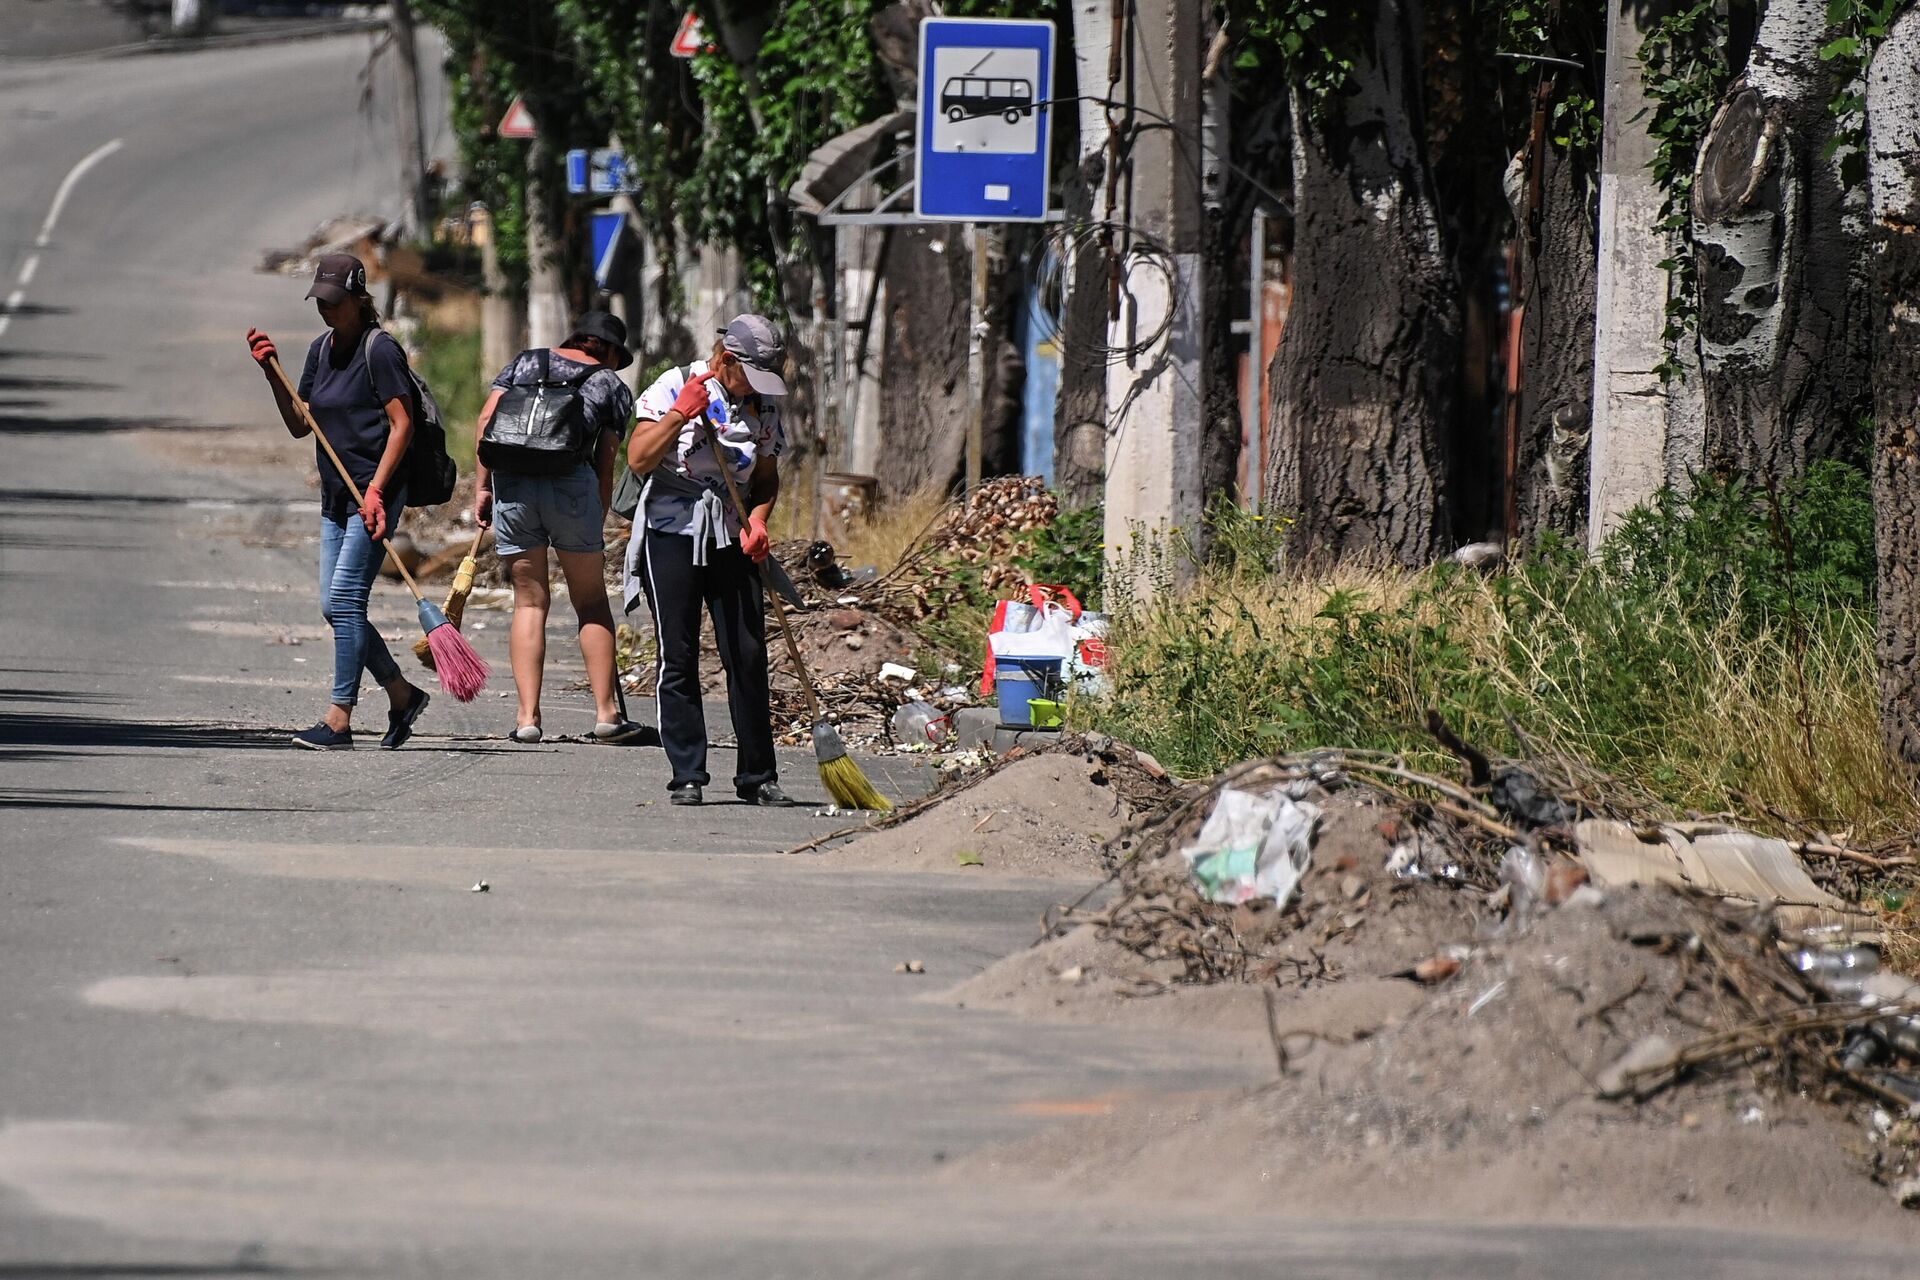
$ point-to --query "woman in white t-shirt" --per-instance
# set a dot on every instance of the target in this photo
(690, 550)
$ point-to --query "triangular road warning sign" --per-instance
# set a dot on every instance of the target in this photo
(690, 39)
(518, 122)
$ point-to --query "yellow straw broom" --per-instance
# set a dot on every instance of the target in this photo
(456, 604)
(838, 773)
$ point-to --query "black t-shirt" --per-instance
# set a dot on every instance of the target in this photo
(350, 404)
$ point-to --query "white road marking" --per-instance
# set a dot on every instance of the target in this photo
(32, 264)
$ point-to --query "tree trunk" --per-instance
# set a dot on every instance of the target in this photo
(1555, 412)
(923, 382)
(1783, 330)
(1080, 414)
(1363, 382)
(1893, 123)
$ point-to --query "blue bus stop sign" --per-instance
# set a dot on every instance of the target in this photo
(982, 133)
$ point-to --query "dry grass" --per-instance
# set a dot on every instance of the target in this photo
(885, 536)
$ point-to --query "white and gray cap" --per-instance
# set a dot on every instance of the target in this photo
(757, 343)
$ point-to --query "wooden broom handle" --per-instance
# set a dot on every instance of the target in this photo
(766, 582)
(306, 416)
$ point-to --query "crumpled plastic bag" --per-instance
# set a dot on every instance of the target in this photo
(1253, 845)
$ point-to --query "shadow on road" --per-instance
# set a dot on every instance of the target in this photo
(15, 423)
(135, 1270)
(59, 729)
(87, 798)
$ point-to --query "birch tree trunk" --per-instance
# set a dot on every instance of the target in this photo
(1783, 323)
(1363, 381)
(1893, 148)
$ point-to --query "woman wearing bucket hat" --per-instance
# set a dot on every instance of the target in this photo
(356, 386)
(690, 549)
(546, 442)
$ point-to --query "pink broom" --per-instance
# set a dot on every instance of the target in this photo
(460, 669)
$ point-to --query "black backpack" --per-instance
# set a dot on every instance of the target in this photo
(431, 474)
(539, 428)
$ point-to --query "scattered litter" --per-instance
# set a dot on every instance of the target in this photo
(968, 858)
(894, 671)
(910, 966)
(1649, 1053)
(1526, 882)
(1073, 974)
(1753, 1115)
(1487, 997)
(1253, 846)
(480, 886)
(1436, 968)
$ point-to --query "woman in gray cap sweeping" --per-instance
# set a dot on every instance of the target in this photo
(691, 550)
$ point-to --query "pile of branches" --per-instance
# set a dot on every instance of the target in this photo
(983, 536)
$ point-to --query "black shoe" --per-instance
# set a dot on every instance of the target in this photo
(683, 795)
(767, 795)
(323, 737)
(400, 723)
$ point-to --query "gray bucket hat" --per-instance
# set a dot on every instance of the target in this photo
(757, 343)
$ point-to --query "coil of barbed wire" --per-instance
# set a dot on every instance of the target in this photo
(1049, 266)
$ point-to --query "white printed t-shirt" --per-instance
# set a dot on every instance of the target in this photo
(748, 431)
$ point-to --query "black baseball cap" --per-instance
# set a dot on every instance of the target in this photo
(607, 327)
(757, 343)
(338, 276)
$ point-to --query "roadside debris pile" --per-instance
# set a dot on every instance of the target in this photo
(1463, 981)
(1048, 812)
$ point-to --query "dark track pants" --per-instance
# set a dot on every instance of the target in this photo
(728, 586)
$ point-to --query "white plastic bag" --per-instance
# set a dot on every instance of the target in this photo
(1051, 636)
(1253, 846)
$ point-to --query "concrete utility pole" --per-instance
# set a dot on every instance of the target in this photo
(546, 289)
(406, 117)
(1157, 394)
(1630, 403)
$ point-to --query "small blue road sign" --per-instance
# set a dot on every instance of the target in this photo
(601, 172)
(982, 134)
(606, 243)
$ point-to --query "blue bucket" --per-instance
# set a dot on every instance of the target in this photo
(1019, 680)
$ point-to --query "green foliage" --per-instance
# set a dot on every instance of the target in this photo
(450, 362)
(1311, 43)
(1069, 552)
(1862, 24)
(1718, 652)
(1684, 60)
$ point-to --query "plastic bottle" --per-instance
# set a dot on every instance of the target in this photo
(918, 722)
(1838, 971)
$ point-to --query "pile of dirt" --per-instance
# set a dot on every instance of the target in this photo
(1047, 814)
(846, 641)
(1475, 1098)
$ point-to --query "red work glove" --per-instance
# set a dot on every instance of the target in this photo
(262, 348)
(483, 507)
(373, 511)
(754, 540)
(693, 398)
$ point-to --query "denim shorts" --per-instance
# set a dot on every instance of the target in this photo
(562, 512)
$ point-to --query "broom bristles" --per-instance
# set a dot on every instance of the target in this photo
(455, 609)
(460, 669)
(841, 776)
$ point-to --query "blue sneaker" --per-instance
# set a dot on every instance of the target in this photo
(400, 723)
(324, 738)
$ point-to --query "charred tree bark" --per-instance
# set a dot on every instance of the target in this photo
(1080, 415)
(1893, 124)
(923, 384)
(1363, 382)
(1783, 326)
(1555, 414)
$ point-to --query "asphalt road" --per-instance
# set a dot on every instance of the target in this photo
(253, 1020)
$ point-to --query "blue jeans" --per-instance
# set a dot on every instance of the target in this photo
(349, 562)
